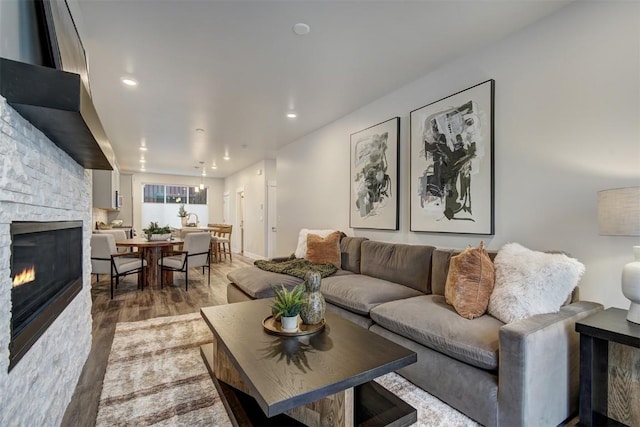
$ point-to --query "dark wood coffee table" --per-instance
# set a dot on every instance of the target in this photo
(320, 379)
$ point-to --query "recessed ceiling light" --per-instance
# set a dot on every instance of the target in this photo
(226, 157)
(143, 148)
(142, 169)
(129, 81)
(143, 160)
(292, 115)
(214, 167)
(301, 29)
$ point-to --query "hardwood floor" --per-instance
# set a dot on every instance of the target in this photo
(130, 305)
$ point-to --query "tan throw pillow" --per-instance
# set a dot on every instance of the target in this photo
(470, 282)
(324, 250)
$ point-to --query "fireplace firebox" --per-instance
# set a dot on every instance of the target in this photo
(46, 274)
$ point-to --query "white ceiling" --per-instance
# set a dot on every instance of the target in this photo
(235, 68)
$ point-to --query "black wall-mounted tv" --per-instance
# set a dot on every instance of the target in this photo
(61, 44)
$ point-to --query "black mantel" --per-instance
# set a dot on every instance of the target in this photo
(57, 103)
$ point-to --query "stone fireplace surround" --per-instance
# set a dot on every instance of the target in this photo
(40, 182)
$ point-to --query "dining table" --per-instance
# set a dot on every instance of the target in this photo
(152, 251)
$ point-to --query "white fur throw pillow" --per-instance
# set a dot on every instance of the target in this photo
(530, 282)
(301, 249)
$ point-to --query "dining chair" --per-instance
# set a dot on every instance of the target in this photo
(221, 241)
(184, 231)
(119, 235)
(213, 230)
(106, 260)
(195, 253)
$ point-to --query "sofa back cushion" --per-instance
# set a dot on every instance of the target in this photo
(408, 265)
(351, 253)
(440, 268)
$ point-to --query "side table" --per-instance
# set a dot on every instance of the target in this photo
(597, 390)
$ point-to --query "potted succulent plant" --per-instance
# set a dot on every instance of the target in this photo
(155, 232)
(287, 305)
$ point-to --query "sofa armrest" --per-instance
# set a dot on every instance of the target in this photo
(539, 367)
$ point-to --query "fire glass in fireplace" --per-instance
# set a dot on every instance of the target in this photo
(46, 272)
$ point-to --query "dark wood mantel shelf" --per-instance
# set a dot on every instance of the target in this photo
(57, 103)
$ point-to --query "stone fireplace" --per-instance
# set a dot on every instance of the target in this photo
(41, 184)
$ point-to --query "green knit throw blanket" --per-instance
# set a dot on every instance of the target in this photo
(298, 267)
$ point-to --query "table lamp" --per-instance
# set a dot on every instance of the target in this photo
(619, 215)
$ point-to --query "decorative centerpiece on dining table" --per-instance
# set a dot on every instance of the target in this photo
(182, 213)
(155, 232)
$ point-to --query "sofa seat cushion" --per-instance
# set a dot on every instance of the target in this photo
(430, 321)
(360, 293)
(257, 283)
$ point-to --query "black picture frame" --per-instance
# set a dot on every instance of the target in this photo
(374, 176)
(452, 163)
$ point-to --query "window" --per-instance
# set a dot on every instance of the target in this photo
(197, 198)
(176, 194)
(161, 204)
(153, 193)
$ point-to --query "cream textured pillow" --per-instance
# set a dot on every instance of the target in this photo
(301, 249)
(470, 282)
(530, 282)
(324, 250)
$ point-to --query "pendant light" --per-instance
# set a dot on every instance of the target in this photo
(196, 188)
(202, 176)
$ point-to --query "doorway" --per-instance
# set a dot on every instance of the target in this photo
(225, 208)
(271, 219)
(240, 218)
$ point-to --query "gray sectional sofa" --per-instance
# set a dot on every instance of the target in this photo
(520, 374)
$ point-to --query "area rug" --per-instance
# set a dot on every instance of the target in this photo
(155, 376)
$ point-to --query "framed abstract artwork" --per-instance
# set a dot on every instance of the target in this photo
(374, 176)
(452, 163)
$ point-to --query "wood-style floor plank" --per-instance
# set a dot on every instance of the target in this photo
(130, 305)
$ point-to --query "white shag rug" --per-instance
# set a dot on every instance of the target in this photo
(156, 376)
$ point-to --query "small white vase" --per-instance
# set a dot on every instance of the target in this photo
(631, 286)
(289, 324)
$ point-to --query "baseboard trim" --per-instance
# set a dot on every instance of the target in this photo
(253, 256)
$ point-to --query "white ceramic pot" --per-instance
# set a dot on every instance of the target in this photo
(631, 286)
(289, 324)
(155, 237)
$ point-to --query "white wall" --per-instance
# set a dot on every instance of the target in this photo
(567, 125)
(253, 180)
(214, 186)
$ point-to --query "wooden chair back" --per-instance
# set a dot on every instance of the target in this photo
(224, 231)
(221, 240)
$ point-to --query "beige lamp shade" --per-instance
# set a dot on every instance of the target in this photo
(619, 212)
(619, 215)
